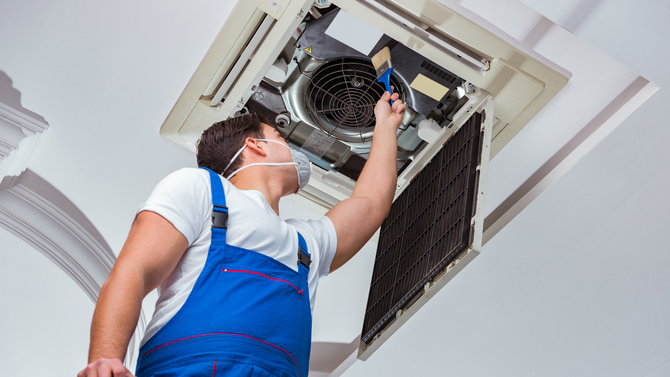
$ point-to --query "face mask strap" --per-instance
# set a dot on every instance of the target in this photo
(240, 151)
(262, 163)
(234, 157)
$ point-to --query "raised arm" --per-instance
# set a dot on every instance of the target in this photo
(152, 250)
(356, 219)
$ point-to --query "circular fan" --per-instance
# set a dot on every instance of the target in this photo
(341, 98)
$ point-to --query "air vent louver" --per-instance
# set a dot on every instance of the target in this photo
(442, 74)
(428, 226)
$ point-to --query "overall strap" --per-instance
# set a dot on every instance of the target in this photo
(220, 211)
(304, 259)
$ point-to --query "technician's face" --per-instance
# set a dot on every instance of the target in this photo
(272, 134)
(280, 154)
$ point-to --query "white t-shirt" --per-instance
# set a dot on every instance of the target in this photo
(184, 198)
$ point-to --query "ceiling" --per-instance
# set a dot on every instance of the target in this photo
(576, 284)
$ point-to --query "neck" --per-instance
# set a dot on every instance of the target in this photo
(263, 179)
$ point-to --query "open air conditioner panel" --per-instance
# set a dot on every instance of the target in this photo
(290, 61)
(323, 102)
(432, 226)
(328, 90)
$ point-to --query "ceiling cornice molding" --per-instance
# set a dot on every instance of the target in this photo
(56, 235)
(18, 128)
(39, 214)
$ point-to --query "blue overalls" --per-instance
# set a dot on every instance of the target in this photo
(247, 315)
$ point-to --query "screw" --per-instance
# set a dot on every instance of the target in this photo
(356, 82)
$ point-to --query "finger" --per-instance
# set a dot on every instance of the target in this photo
(392, 88)
(385, 97)
(120, 370)
(104, 370)
(91, 372)
(395, 96)
(400, 108)
(396, 103)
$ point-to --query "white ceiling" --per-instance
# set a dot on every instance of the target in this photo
(576, 284)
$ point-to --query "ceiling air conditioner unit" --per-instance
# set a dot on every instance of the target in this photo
(307, 67)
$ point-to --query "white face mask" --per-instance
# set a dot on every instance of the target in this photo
(301, 162)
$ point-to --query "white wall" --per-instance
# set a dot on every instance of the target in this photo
(45, 315)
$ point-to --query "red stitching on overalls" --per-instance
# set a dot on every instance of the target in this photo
(227, 333)
(214, 371)
(258, 273)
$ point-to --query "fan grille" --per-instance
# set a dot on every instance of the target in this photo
(341, 97)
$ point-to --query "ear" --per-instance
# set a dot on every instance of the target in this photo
(254, 146)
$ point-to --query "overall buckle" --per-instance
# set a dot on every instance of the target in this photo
(220, 217)
(303, 258)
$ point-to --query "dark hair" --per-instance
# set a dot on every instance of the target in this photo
(219, 143)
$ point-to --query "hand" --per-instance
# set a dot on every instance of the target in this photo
(105, 368)
(388, 115)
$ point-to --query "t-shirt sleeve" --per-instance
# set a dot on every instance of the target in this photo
(183, 199)
(325, 237)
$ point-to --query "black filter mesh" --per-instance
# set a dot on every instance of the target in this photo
(427, 228)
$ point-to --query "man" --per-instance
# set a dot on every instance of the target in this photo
(236, 283)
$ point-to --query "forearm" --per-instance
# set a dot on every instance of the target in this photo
(356, 219)
(115, 316)
(379, 176)
(152, 250)
(359, 217)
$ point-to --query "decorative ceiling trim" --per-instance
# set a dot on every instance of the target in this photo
(39, 214)
(638, 92)
(330, 359)
(18, 128)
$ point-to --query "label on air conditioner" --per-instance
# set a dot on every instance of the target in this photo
(431, 88)
(354, 32)
(317, 144)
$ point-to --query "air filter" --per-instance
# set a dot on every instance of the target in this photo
(428, 227)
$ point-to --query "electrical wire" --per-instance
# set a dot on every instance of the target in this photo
(300, 68)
